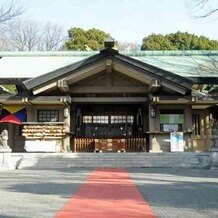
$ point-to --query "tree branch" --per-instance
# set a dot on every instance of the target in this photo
(208, 14)
(10, 11)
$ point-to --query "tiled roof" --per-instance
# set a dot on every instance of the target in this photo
(183, 63)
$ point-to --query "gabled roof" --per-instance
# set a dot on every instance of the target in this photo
(142, 69)
(192, 64)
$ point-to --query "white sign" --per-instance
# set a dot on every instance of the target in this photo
(40, 146)
(176, 142)
(170, 127)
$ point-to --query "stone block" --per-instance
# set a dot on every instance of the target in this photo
(214, 157)
(5, 158)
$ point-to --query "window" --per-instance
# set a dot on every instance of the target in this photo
(118, 119)
(122, 119)
(87, 119)
(100, 119)
(48, 116)
(114, 125)
(130, 119)
(196, 124)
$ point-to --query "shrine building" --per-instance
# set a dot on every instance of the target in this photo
(108, 101)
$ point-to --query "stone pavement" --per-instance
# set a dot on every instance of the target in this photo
(37, 193)
(170, 192)
(179, 192)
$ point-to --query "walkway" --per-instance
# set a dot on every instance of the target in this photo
(108, 192)
(172, 193)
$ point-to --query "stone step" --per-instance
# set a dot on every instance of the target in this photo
(51, 161)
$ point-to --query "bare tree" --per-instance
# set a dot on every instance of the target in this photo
(10, 10)
(53, 37)
(4, 43)
(203, 8)
(31, 36)
(24, 36)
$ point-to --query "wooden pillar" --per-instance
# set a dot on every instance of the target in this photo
(153, 126)
(188, 126)
(208, 130)
(73, 126)
(31, 116)
(66, 141)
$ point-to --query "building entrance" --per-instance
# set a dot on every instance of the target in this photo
(110, 127)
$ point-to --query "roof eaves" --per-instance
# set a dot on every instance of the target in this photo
(204, 80)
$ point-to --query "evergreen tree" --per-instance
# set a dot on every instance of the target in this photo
(178, 41)
(79, 39)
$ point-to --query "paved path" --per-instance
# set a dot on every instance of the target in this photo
(108, 192)
(174, 193)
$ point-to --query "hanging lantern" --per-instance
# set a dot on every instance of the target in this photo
(153, 112)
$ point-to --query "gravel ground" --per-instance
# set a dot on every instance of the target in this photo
(170, 192)
(179, 192)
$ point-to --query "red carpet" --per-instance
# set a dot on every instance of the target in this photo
(107, 192)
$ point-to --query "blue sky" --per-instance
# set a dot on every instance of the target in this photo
(125, 20)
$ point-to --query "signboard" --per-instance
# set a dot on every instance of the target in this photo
(171, 118)
(170, 127)
(176, 142)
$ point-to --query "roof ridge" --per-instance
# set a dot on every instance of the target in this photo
(172, 53)
(90, 53)
(46, 53)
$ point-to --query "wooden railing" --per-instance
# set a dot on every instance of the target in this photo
(84, 145)
(91, 145)
(135, 144)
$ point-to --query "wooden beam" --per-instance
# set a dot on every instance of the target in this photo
(45, 88)
(109, 64)
(73, 77)
(63, 85)
(154, 100)
(112, 89)
(131, 72)
(179, 101)
(109, 79)
(200, 107)
(110, 100)
(154, 85)
(26, 101)
(142, 76)
(66, 100)
(171, 100)
(87, 72)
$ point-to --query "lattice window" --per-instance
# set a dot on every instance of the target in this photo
(122, 119)
(48, 115)
(100, 119)
(87, 119)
